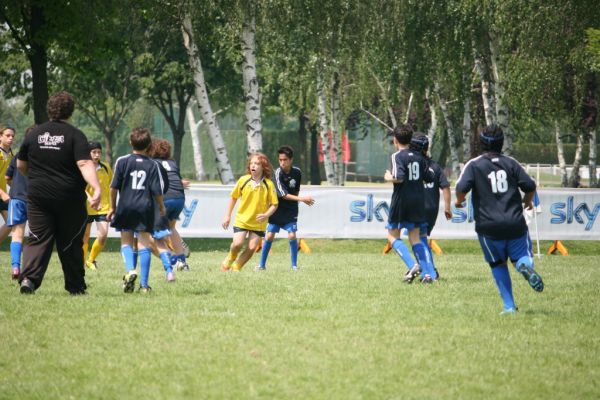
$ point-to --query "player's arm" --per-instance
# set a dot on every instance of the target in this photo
(23, 167)
(113, 203)
(460, 199)
(227, 217)
(300, 199)
(388, 177)
(447, 198)
(88, 171)
(528, 200)
(161, 204)
(266, 215)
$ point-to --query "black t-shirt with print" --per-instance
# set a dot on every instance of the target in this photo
(52, 150)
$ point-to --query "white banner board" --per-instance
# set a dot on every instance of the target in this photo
(361, 212)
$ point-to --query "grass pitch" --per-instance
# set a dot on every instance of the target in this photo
(343, 327)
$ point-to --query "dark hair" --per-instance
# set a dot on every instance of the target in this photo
(28, 130)
(403, 133)
(264, 162)
(492, 138)
(160, 148)
(419, 143)
(287, 150)
(60, 106)
(93, 145)
(4, 128)
(140, 139)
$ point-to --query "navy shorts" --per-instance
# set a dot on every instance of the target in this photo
(3, 205)
(407, 225)
(174, 207)
(17, 212)
(258, 233)
(96, 218)
(290, 227)
(499, 251)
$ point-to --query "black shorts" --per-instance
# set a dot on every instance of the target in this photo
(3, 206)
(96, 218)
(258, 233)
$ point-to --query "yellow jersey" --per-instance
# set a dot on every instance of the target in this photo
(105, 176)
(255, 198)
(5, 159)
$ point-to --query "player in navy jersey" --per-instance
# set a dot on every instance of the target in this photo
(409, 169)
(420, 143)
(495, 180)
(287, 180)
(138, 183)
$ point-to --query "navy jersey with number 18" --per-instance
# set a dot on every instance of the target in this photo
(495, 180)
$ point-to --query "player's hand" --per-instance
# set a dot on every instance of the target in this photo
(110, 215)
(94, 201)
(261, 217)
(308, 200)
(5, 197)
(388, 175)
(528, 205)
(185, 183)
(225, 223)
(448, 214)
(460, 204)
(162, 210)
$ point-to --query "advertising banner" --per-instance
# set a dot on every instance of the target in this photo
(362, 212)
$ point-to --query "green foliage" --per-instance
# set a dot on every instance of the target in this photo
(343, 327)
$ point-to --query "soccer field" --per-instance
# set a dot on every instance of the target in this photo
(342, 327)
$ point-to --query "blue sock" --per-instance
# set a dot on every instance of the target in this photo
(525, 260)
(127, 253)
(135, 257)
(504, 285)
(15, 254)
(294, 252)
(426, 244)
(402, 250)
(165, 257)
(174, 258)
(423, 259)
(265, 253)
(145, 258)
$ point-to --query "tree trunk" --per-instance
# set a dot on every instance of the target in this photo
(38, 59)
(561, 155)
(408, 107)
(197, 149)
(251, 86)
(385, 99)
(502, 114)
(486, 89)
(592, 159)
(315, 169)
(214, 133)
(450, 129)
(338, 165)
(433, 126)
(575, 178)
(108, 141)
(324, 125)
(466, 128)
(303, 134)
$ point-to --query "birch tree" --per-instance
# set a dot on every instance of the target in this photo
(196, 147)
(324, 128)
(252, 98)
(575, 178)
(592, 158)
(454, 161)
(209, 118)
(564, 180)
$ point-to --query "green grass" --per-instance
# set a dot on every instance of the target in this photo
(343, 327)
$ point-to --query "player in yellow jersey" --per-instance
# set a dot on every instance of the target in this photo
(105, 175)
(258, 201)
(7, 135)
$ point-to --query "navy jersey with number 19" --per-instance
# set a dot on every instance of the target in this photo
(138, 180)
(495, 180)
(408, 203)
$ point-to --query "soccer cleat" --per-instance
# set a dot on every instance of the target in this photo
(259, 268)
(226, 265)
(170, 276)
(181, 266)
(437, 273)
(27, 287)
(185, 267)
(145, 289)
(91, 265)
(294, 268)
(412, 273)
(509, 311)
(235, 266)
(16, 271)
(532, 277)
(427, 279)
(129, 281)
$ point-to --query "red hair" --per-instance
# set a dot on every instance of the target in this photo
(264, 162)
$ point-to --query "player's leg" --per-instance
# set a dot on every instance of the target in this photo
(99, 242)
(145, 256)
(395, 240)
(4, 229)
(494, 252)
(421, 253)
(291, 228)
(72, 219)
(519, 251)
(86, 239)
(178, 259)
(239, 238)
(254, 239)
(16, 249)
(425, 231)
(272, 230)
(164, 254)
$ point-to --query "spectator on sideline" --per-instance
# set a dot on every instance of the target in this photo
(105, 175)
(408, 170)
(287, 183)
(420, 143)
(258, 202)
(495, 180)
(56, 160)
(138, 183)
(7, 136)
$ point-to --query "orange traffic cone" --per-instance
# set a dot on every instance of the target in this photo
(387, 248)
(558, 246)
(303, 246)
(435, 247)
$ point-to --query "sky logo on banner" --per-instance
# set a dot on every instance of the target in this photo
(188, 212)
(574, 213)
(365, 210)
